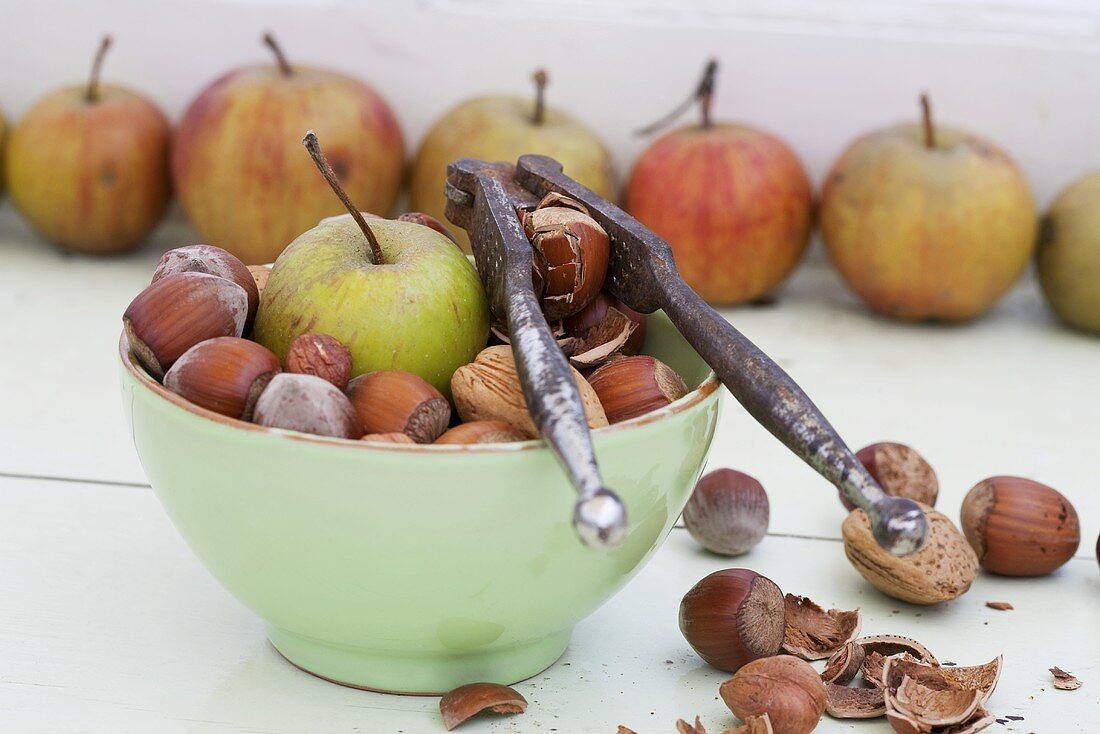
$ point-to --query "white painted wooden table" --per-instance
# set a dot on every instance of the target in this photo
(109, 624)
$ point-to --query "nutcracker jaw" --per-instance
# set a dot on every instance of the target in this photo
(643, 275)
(483, 198)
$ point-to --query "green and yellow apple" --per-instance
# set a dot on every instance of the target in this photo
(1068, 257)
(3, 147)
(240, 175)
(502, 128)
(422, 309)
(733, 202)
(927, 222)
(88, 166)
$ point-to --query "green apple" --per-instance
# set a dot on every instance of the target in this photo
(1068, 257)
(927, 222)
(399, 295)
(500, 128)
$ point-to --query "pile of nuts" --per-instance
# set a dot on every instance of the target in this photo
(188, 329)
(739, 621)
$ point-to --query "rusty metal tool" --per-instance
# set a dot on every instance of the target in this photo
(642, 274)
(483, 198)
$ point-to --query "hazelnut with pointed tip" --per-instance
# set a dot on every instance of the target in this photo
(212, 261)
(732, 617)
(225, 374)
(728, 512)
(308, 404)
(633, 386)
(177, 312)
(1019, 527)
(392, 401)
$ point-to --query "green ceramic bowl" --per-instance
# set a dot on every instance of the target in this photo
(415, 569)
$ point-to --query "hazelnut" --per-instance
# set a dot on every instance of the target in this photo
(595, 313)
(732, 617)
(785, 688)
(392, 401)
(633, 386)
(570, 252)
(308, 404)
(225, 374)
(177, 312)
(427, 220)
(473, 698)
(481, 432)
(1019, 527)
(900, 471)
(322, 356)
(212, 261)
(942, 570)
(489, 389)
(728, 512)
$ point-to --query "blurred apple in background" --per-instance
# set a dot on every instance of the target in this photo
(734, 202)
(501, 128)
(399, 295)
(240, 173)
(88, 165)
(927, 222)
(1068, 257)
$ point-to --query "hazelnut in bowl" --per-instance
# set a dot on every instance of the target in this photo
(412, 567)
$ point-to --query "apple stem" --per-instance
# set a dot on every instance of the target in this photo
(703, 94)
(926, 119)
(314, 148)
(92, 94)
(541, 79)
(280, 57)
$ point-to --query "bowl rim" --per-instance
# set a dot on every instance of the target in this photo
(693, 398)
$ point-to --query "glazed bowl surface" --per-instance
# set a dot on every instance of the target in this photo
(415, 569)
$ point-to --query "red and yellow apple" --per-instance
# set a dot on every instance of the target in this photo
(734, 203)
(927, 222)
(237, 163)
(502, 128)
(88, 166)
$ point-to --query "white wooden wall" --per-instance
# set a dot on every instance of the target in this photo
(1023, 72)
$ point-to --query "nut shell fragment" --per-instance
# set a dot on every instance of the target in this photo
(473, 698)
(842, 702)
(753, 725)
(604, 341)
(682, 727)
(570, 252)
(812, 633)
(980, 678)
(877, 648)
(940, 571)
(1064, 681)
(844, 664)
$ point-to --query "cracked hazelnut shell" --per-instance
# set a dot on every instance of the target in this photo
(785, 688)
(812, 633)
(728, 512)
(733, 617)
(1020, 527)
(596, 312)
(466, 701)
(570, 254)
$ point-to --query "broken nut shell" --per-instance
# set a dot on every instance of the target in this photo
(812, 633)
(473, 698)
(570, 252)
